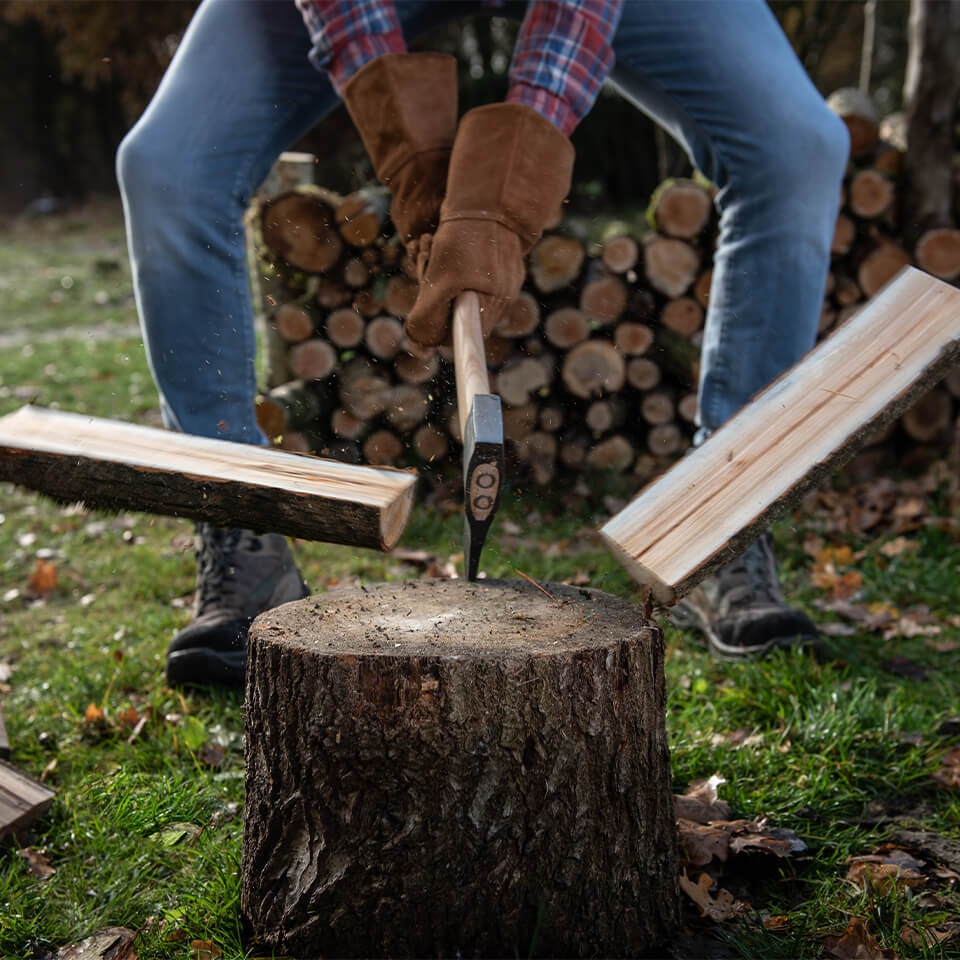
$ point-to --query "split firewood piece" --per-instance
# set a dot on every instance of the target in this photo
(632, 339)
(879, 266)
(120, 466)
(671, 265)
(345, 328)
(844, 233)
(794, 434)
(938, 252)
(356, 273)
(346, 426)
(401, 295)
(407, 407)
(604, 415)
(361, 214)
(555, 262)
(519, 422)
(680, 208)
(869, 194)
(519, 378)
(593, 368)
(416, 368)
(383, 337)
(22, 799)
(603, 298)
(643, 374)
(365, 395)
(615, 453)
(657, 407)
(312, 360)
(521, 318)
(687, 407)
(665, 439)
(682, 315)
(382, 447)
(859, 113)
(299, 226)
(566, 327)
(930, 418)
(294, 441)
(620, 254)
(430, 443)
(701, 288)
(293, 322)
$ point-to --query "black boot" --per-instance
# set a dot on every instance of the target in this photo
(239, 574)
(741, 609)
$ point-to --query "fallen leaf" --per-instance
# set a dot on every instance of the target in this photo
(929, 936)
(701, 842)
(6, 671)
(128, 719)
(212, 753)
(700, 802)
(719, 908)
(943, 646)
(776, 840)
(110, 943)
(444, 570)
(204, 950)
(736, 738)
(812, 545)
(949, 773)
(776, 922)
(869, 873)
(893, 548)
(857, 943)
(43, 579)
(93, 714)
(173, 833)
(37, 863)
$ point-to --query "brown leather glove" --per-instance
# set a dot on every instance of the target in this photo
(509, 172)
(404, 105)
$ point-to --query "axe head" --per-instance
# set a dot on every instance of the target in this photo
(483, 474)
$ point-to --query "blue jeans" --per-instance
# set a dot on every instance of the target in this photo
(718, 74)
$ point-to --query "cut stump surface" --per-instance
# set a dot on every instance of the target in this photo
(439, 768)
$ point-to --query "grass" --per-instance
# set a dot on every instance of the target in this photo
(145, 831)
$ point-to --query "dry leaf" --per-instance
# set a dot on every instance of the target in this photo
(701, 842)
(857, 943)
(37, 863)
(869, 873)
(930, 936)
(736, 738)
(446, 571)
(719, 908)
(93, 714)
(760, 838)
(204, 950)
(776, 922)
(700, 802)
(43, 579)
(111, 943)
(949, 773)
(212, 753)
(944, 646)
(894, 548)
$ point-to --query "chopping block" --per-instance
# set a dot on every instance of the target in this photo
(437, 768)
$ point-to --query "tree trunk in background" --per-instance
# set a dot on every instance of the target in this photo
(930, 95)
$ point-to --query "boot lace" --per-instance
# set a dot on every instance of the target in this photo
(216, 570)
(751, 579)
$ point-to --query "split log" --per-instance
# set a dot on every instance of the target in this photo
(615, 453)
(22, 800)
(519, 422)
(930, 419)
(603, 415)
(519, 378)
(869, 194)
(844, 234)
(593, 368)
(366, 395)
(938, 252)
(293, 322)
(356, 273)
(665, 440)
(643, 374)
(671, 265)
(566, 327)
(680, 208)
(120, 466)
(401, 295)
(880, 266)
(632, 339)
(688, 407)
(407, 407)
(798, 431)
(521, 318)
(430, 443)
(555, 262)
(360, 216)
(312, 360)
(345, 328)
(683, 315)
(604, 299)
(346, 426)
(412, 368)
(620, 254)
(294, 441)
(523, 767)
(383, 337)
(299, 226)
(271, 417)
(382, 448)
(859, 113)
(657, 407)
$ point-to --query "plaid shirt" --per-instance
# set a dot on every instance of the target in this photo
(562, 57)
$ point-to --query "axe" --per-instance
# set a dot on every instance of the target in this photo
(481, 425)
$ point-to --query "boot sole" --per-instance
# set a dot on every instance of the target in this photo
(203, 666)
(688, 618)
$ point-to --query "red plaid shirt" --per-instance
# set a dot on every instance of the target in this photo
(562, 57)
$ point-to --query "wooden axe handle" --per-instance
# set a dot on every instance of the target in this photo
(469, 356)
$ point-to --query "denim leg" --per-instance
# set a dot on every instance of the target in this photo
(722, 78)
(238, 92)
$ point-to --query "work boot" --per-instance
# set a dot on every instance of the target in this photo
(741, 609)
(239, 574)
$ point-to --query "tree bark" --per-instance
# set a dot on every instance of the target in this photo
(437, 768)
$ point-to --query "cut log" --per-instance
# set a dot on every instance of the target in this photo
(383, 337)
(682, 315)
(795, 433)
(938, 252)
(312, 360)
(366, 395)
(870, 194)
(401, 295)
(593, 368)
(538, 450)
(603, 415)
(346, 426)
(671, 265)
(521, 318)
(519, 378)
(382, 447)
(604, 299)
(620, 254)
(665, 440)
(859, 113)
(930, 419)
(299, 227)
(566, 327)
(680, 208)
(881, 266)
(519, 422)
(294, 441)
(113, 465)
(657, 407)
(687, 407)
(360, 215)
(643, 374)
(430, 443)
(345, 328)
(356, 273)
(555, 262)
(271, 417)
(615, 453)
(844, 233)
(481, 783)
(22, 800)
(331, 294)
(293, 322)
(551, 418)
(407, 407)
(632, 339)
(368, 303)
(416, 369)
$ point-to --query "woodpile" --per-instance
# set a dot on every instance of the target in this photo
(597, 361)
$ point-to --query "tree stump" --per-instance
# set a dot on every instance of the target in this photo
(440, 768)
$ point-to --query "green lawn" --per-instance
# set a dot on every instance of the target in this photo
(145, 830)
